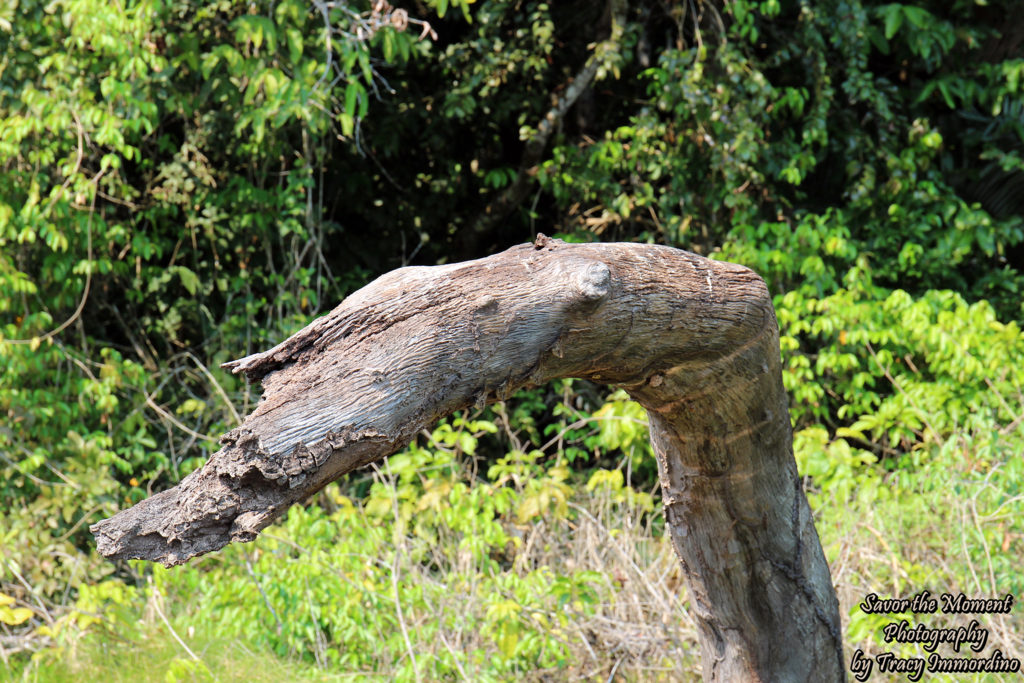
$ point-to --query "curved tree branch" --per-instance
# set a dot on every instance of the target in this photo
(694, 341)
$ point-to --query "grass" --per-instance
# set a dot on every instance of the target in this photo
(154, 654)
(457, 587)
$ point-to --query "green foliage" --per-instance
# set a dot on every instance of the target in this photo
(935, 362)
(182, 183)
(158, 215)
(801, 158)
(341, 583)
(437, 568)
(947, 524)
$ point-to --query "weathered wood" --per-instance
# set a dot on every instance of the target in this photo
(694, 341)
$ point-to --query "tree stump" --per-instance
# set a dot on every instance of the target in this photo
(694, 341)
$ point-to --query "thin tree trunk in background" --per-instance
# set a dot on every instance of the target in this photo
(694, 341)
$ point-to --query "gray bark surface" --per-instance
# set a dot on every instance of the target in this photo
(694, 341)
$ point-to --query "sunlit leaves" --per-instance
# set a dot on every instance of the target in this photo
(12, 616)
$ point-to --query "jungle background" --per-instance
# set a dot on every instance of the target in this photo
(184, 182)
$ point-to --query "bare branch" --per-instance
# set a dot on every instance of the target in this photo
(514, 195)
(694, 341)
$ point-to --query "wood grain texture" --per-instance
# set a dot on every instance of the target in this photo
(694, 341)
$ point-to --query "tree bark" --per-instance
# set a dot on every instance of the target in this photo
(694, 341)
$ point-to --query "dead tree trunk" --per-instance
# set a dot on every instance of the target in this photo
(695, 341)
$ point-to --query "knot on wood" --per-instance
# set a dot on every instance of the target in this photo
(592, 281)
(544, 242)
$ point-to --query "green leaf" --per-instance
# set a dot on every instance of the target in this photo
(352, 93)
(348, 123)
(893, 20)
(15, 616)
(917, 16)
(189, 280)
